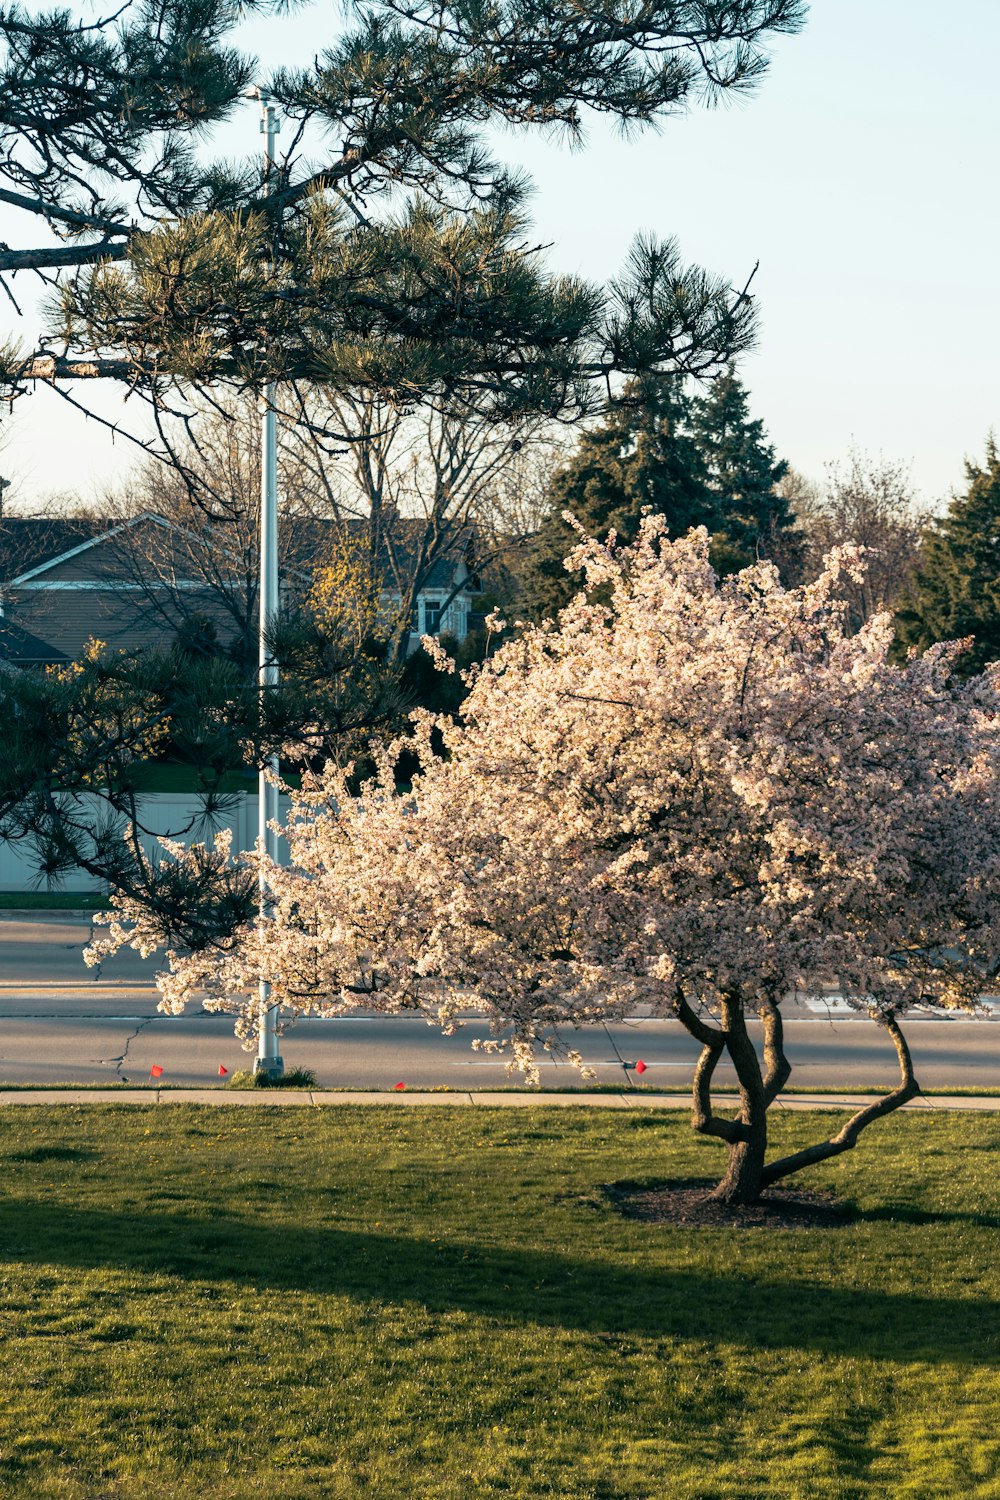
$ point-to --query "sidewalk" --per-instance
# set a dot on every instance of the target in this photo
(312, 1098)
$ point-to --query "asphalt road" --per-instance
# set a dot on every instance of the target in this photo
(62, 1023)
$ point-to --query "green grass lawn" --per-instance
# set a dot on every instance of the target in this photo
(436, 1303)
(53, 900)
(173, 776)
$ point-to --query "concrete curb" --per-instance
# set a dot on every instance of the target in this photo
(313, 1098)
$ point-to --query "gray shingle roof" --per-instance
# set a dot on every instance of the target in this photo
(22, 648)
(28, 541)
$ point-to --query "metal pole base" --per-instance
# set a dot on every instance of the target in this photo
(270, 1067)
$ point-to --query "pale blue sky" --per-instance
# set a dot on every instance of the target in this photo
(862, 176)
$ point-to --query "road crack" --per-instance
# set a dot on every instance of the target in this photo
(120, 1061)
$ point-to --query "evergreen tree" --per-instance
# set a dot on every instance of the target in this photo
(700, 461)
(387, 252)
(956, 591)
(641, 456)
(744, 473)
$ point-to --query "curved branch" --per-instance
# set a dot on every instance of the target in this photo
(702, 1118)
(77, 217)
(713, 1041)
(708, 1036)
(846, 1139)
(779, 1069)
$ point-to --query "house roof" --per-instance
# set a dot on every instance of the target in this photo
(30, 546)
(408, 532)
(29, 542)
(21, 648)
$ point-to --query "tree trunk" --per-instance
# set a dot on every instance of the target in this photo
(745, 1173)
(744, 1177)
(746, 1137)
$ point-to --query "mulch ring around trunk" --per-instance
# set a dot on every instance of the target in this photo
(690, 1203)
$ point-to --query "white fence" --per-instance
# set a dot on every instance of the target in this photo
(165, 814)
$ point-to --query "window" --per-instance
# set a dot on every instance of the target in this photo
(456, 619)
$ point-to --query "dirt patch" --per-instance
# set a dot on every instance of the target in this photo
(691, 1204)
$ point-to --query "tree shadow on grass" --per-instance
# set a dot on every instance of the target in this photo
(514, 1286)
(909, 1213)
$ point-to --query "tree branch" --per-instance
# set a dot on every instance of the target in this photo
(846, 1139)
(73, 216)
(709, 1036)
(51, 367)
(779, 1069)
(61, 255)
(702, 1118)
(713, 1042)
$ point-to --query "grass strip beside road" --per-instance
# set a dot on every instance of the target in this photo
(29, 901)
(230, 1303)
(596, 1096)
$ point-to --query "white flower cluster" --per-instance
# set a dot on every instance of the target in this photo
(690, 794)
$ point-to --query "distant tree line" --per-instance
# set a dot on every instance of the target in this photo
(405, 496)
(700, 458)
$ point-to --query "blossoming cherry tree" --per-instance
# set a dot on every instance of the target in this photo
(689, 793)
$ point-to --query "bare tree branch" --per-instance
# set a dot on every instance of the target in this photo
(847, 1138)
(713, 1041)
(778, 1068)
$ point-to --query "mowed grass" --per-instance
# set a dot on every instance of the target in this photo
(386, 1302)
(53, 901)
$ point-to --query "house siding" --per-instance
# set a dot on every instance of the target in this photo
(71, 597)
(123, 618)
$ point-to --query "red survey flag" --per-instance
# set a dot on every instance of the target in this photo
(156, 1071)
(223, 1072)
(640, 1066)
(400, 1086)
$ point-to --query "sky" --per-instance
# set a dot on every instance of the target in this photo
(860, 176)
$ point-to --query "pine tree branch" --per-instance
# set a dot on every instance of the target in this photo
(72, 216)
(52, 367)
(61, 255)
